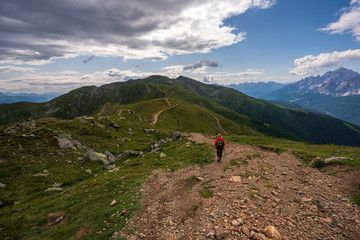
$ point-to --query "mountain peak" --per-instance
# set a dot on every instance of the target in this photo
(340, 82)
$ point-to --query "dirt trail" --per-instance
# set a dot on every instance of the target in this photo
(218, 123)
(156, 116)
(167, 101)
(277, 190)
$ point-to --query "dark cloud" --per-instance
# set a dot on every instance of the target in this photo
(40, 30)
(24, 25)
(88, 59)
(200, 64)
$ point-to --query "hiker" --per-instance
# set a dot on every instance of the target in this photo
(219, 145)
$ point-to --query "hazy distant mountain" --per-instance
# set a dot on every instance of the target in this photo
(336, 93)
(341, 82)
(26, 97)
(257, 89)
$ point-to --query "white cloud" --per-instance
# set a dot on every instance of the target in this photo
(311, 64)
(40, 83)
(143, 29)
(113, 75)
(6, 69)
(173, 71)
(226, 78)
(61, 82)
(349, 21)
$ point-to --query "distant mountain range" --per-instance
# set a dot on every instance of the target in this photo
(258, 89)
(253, 115)
(26, 97)
(336, 93)
(341, 82)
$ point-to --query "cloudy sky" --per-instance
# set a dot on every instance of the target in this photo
(56, 46)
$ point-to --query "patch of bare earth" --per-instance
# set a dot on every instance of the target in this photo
(271, 190)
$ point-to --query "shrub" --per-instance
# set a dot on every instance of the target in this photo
(318, 163)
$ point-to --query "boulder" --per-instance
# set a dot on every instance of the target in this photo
(149, 130)
(245, 230)
(158, 144)
(113, 203)
(99, 125)
(176, 135)
(114, 125)
(1, 204)
(29, 136)
(272, 232)
(41, 175)
(259, 236)
(235, 179)
(2, 185)
(66, 141)
(12, 131)
(334, 159)
(162, 155)
(53, 189)
(129, 153)
(97, 157)
(111, 157)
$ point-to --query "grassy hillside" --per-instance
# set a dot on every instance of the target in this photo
(79, 203)
(314, 128)
(52, 192)
(267, 118)
(188, 117)
(79, 102)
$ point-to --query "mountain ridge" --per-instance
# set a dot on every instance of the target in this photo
(340, 82)
(336, 93)
(268, 118)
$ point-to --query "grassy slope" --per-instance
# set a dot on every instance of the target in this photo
(191, 97)
(314, 128)
(79, 102)
(186, 117)
(85, 198)
(84, 201)
(267, 118)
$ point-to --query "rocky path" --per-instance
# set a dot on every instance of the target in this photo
(262, 196)
(156, 116)
(218, 123)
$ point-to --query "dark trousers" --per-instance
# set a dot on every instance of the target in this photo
(219, 153)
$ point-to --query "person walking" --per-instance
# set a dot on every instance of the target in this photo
(219, 145)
